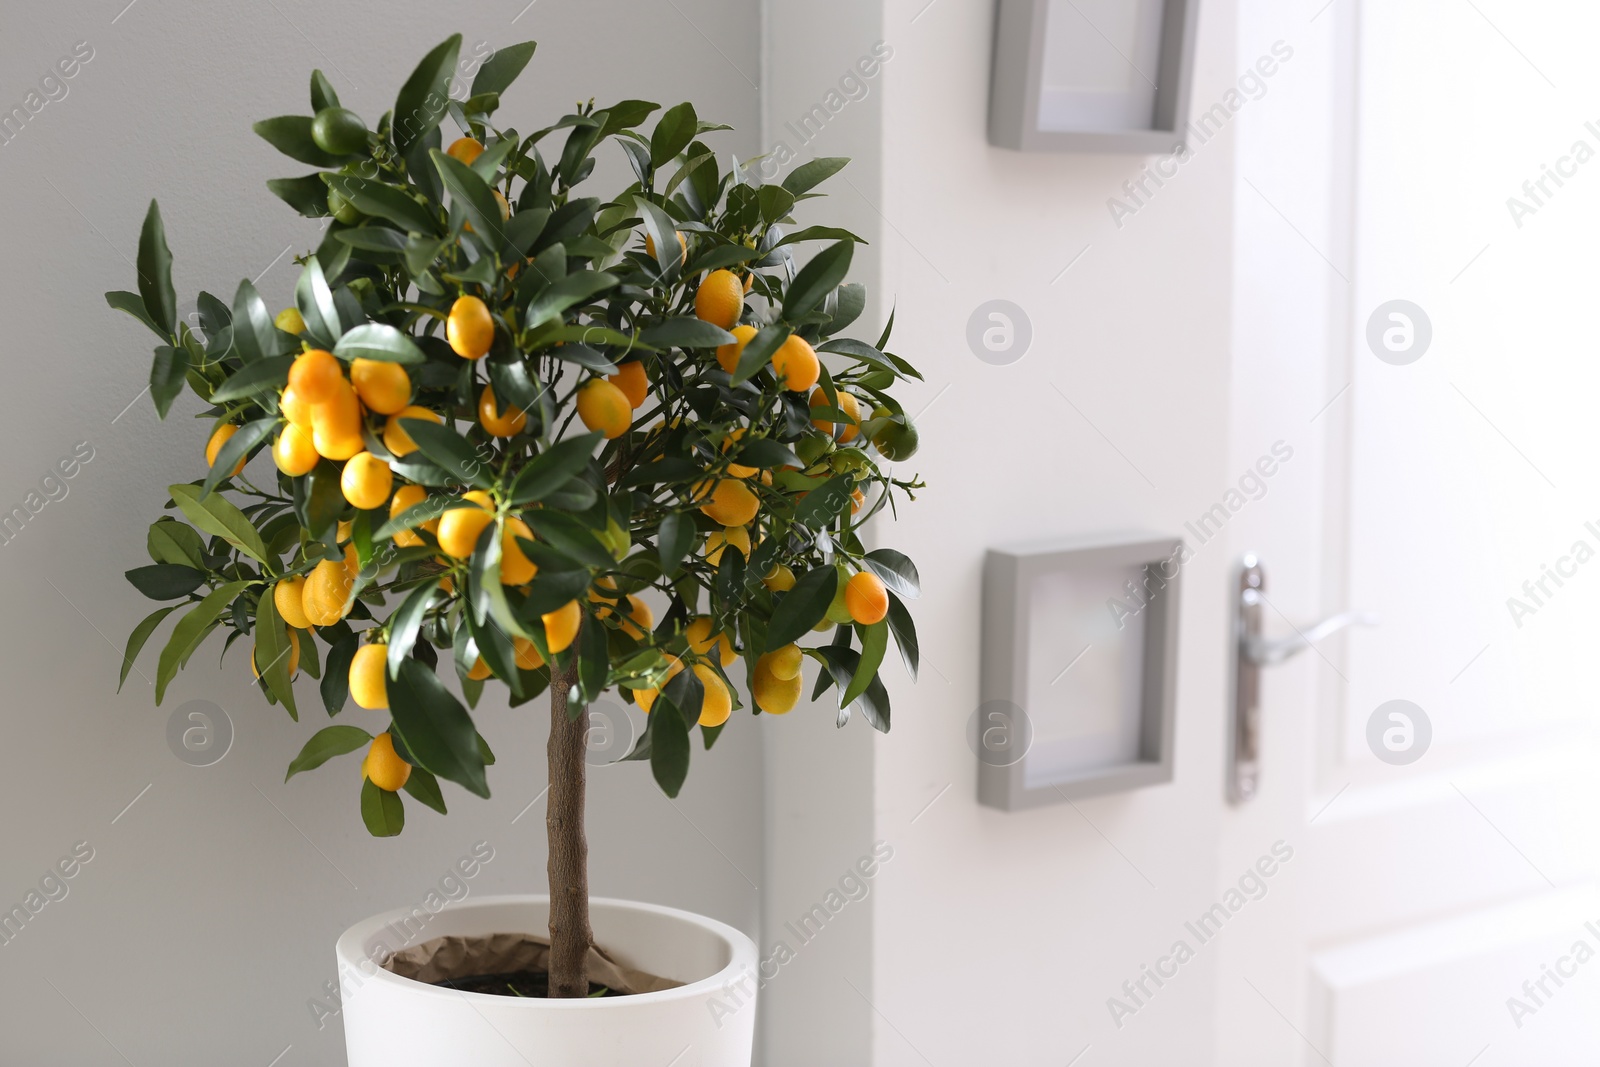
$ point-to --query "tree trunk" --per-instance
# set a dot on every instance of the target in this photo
(570, 935)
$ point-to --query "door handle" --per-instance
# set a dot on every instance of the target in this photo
(1252, 652)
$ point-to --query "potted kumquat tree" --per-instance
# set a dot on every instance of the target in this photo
(561, 443)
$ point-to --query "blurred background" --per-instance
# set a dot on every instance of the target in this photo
(1165, 333)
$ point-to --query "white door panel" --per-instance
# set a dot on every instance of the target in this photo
(1454, 497)
(1414, 996)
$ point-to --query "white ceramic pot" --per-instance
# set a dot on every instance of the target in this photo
(709, 1021)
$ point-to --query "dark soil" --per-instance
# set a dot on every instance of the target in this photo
(515, 984)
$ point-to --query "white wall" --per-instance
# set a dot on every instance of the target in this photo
(999, 936)
(820, 815)
(988, 937)
(206, 919)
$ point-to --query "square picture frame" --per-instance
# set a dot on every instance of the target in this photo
(1054, 83)
(1111, 730)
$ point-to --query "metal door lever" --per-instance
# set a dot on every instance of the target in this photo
(1265, 653)
(1253, 653)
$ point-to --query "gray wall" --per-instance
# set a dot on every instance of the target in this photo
(205, 921)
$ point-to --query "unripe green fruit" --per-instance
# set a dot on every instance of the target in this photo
(616, 539)
(837, 612)
(813, 447)
(848, 459)
(339, 131)
(897, 441)
(342, 209)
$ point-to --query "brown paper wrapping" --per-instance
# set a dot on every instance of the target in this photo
(462, 957)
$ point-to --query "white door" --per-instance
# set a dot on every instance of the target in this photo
(1416, 322)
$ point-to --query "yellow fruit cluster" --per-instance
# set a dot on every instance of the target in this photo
(324, 418)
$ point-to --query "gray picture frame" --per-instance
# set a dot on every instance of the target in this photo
(1017, 75)
(1010, 574)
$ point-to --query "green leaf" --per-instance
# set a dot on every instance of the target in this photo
(167, 373)
(220, 518)
(155, 272)
(214, 314)
(429, 509)
(581, 353)
(819, 233)
(273, 653)
(483, 573)
(388, 202)
(472, 195)
(567, 535)
(166, 581)
(553, 468)
(482, 104)
(588, 335)
(254, 335)
(823, 504)
(376, 239)
(662, 231)
(424, 787)
(722, 256)
(236, 448)
(842, 663)
(190, 631)
(335, 686)
(547, 592)
(133, 304)
(673, 540)
(568, 292)
(380, 341)
(802, 607)
(674, 130)
(383, 812)
(437, 730)
(423, 99)
(291, 135)
(874, 704)
(170, 541)
(315, 300)
(323, 500)
(669, 750)
(500, 70)
(524, 229)
(774, 202)
(765, 452)
(625, 115)
(322, 94)
(759, 351)
(308, 655)
(686, 331)
(639, 159)
(307, 195)
(874, 640)
(817, 279)
(593, 661)
(710, 734)
(851, 301)
(861, 352)
(687, 695)
(140, 635)
(405, 623)
(905, 634)
(516, 388)
(326, 743)
(896, 570)
(449, 450)
(809, 175)
(262, 376)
